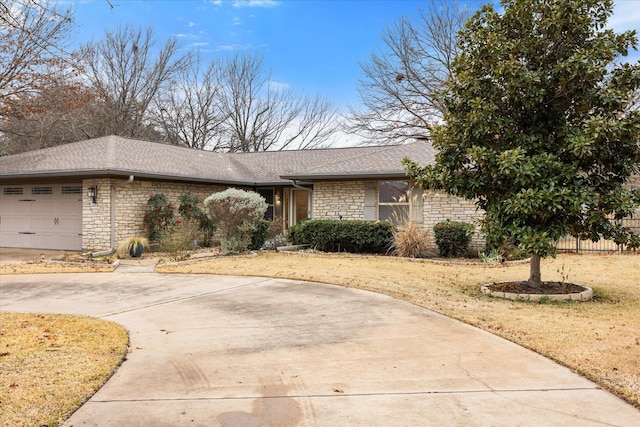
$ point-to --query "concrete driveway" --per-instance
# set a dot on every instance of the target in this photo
(231, 351)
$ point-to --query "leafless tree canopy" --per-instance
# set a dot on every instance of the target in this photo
(60, 113)
(33, 37)
(399, 88)
(262, 115)
(128, 72)
(126, 84)
(189, 112)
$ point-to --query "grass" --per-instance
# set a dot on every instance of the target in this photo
(599, 339)
(51, 364)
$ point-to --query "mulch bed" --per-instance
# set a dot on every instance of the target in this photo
(547, 288)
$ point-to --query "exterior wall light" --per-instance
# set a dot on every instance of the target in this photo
(92, 193)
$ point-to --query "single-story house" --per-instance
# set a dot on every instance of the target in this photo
(89, 195)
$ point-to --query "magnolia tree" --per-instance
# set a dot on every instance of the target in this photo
(236, 214)
(540, 128)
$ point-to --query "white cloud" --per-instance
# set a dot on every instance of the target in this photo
(255, 3)
(236, 21)
(192, 24)
(278, 86)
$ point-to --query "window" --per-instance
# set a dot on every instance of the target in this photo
(267, 193)
(393, 201)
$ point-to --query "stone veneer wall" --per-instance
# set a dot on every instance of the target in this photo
(130, 204)
(346, 198)
(331, 200)
(438, 207)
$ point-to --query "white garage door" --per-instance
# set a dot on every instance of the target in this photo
(41, 216)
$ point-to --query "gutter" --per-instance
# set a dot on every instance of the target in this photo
(113, 210)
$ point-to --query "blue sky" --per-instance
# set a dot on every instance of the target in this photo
(310, 45)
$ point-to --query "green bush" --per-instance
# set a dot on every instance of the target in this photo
(259, 235)
(159, 216)
(453, 238)
(237, 213)
(343, 236)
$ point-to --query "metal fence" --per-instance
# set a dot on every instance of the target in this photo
(571, 244)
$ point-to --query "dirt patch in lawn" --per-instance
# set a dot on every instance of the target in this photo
(51, 364)
(599, 339)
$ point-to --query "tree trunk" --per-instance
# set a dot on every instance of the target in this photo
(535, 277)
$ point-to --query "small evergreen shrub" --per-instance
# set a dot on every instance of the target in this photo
(237, 214)
(159, 216)
(343, 236)
(259, 235)
(453, 238)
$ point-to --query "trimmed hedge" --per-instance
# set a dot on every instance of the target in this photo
(453, 238)
(353, 236)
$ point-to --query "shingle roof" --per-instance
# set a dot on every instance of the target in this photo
(115, 155)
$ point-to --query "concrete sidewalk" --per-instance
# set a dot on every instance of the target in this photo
(231, 351)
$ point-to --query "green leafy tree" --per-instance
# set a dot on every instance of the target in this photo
(540, 128)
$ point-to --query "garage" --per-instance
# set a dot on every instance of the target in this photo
(42, 216)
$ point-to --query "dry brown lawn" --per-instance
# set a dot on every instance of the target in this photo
(51, 364)
(47, 267)
(599, 339)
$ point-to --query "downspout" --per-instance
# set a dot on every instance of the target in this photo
(296, 185)
(113, 210)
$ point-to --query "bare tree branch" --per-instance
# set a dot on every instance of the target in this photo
(128, 72)
(32, 48)
(265, 116)
(189, 113)
(399, 91)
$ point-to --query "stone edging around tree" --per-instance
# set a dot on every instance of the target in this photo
(585, 295)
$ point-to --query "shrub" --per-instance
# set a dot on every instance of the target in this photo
(410, 241)
(259, 235)
(350, 236)
(159, 216)
(453, 238)
(190, 210)
(237, 214)
(178, 241)
(275, 234)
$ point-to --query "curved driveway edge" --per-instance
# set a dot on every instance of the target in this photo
(242, 351)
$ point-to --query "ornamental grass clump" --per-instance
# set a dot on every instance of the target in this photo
(237, 214)
(410, 241)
